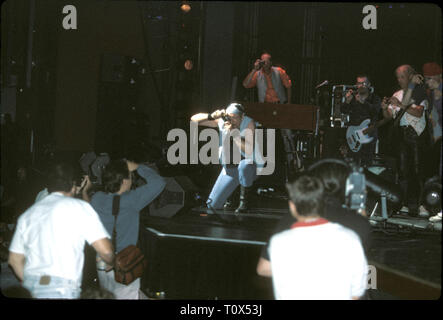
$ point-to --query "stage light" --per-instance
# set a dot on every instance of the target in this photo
(189, 64)
(186, 7)
(432, 195)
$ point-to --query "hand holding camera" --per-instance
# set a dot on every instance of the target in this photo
(258, 64)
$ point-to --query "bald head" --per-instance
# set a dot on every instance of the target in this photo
(404, 74)
(406, 68)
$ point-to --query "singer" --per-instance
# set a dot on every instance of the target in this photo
(244, 173)
(271, 83)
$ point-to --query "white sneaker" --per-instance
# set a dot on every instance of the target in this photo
(436, 218)
(404, 209)
(422, 212)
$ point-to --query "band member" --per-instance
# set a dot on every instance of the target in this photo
(233, 174)
(362, 104)
(432, 77)
(273, 86)
(407, 106)
(433, 80)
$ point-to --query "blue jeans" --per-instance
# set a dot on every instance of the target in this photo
(57, 288)
(228, 180)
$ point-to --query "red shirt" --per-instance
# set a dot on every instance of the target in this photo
(271, 94)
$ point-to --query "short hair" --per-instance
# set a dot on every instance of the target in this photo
(363, 75)
(333, 173)
(113, 175)
(307, 193)
(61, 177)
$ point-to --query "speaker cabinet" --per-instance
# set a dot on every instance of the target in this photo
(178, 194)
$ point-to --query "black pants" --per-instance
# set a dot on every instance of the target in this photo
(365, 156)
(411, 150)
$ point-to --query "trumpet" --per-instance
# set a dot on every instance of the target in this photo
(354, 88)
(359, 89)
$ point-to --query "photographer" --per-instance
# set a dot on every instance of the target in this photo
(273, 83)
(232, 174)
(117, 180)
(46, 251)
(273, 86)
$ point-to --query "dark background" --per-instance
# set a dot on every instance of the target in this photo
(71, 90)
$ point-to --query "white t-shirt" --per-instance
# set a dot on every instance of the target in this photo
(52, 233)
(318, 262)
(42, 194)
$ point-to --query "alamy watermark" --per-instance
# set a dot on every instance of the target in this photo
(250, 142)
(372, 278)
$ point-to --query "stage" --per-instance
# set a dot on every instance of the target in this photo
(204, 255)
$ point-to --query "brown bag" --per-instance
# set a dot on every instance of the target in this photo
(129, 265)
(130, 262)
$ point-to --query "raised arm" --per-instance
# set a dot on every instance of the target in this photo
(250, 80)
(208, 119)
(287, 83)
(145, 194)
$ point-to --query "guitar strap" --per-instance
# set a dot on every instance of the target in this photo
(406, 100)
(115, 209)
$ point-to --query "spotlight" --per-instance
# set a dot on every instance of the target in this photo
(185, 7)
(189, 64)
(431, 195)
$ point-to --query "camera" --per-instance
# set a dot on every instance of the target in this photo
(261, 63)
(356, 188)
(93, 166)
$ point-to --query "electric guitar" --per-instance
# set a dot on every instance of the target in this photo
(356, 136)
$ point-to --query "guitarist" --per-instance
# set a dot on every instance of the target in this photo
(407, 108)
(361, 104)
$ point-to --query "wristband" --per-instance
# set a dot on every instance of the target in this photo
(210, 117)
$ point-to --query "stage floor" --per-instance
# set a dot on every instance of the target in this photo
(406, 255)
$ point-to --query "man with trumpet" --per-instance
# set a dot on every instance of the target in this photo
(361, 104)
(407, 107)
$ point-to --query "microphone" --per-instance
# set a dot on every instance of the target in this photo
(322, 84)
